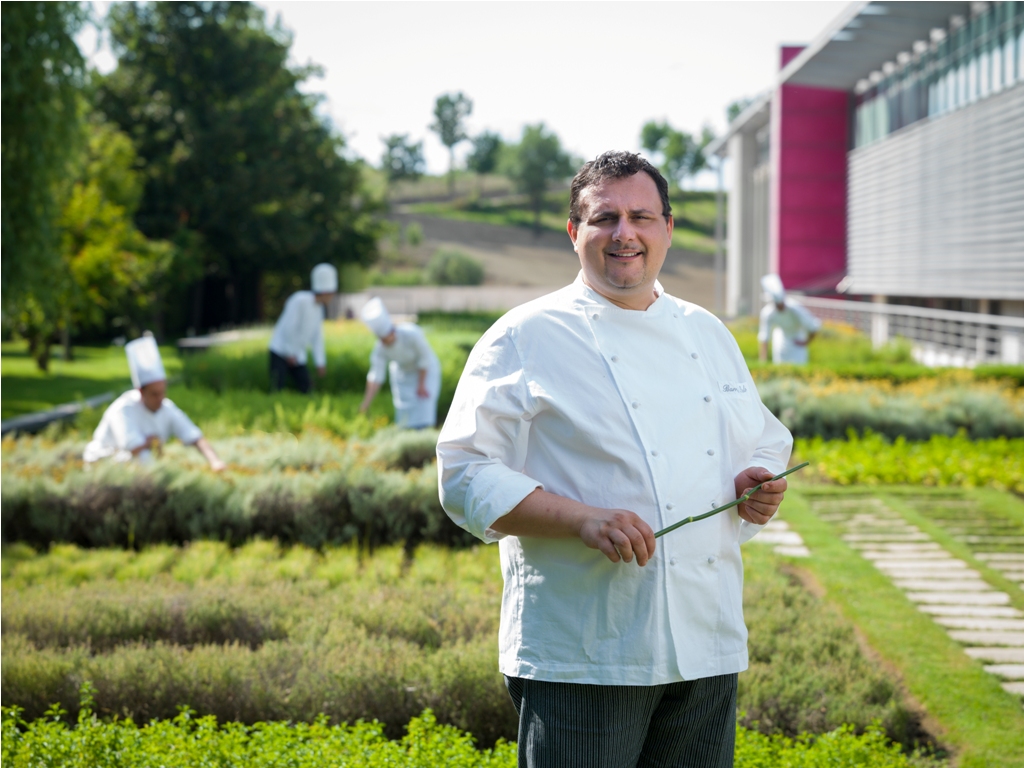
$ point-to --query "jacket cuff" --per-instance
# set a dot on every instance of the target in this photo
(494, 492)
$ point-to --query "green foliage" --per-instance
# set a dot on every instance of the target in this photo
(535, 163)
(449, 267)
(450, 112)
(939, 405)
(315, 491)
(414, 233)
(402, 159)
(236, 158)
(42, 75)
(486, 153)
(188, 740)
(942, 460)
(681, 154)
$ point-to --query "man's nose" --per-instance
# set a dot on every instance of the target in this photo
(624, 230)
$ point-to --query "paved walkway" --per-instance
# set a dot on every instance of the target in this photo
(782, 538)
(956, 596)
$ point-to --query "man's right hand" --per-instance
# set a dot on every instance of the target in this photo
(620, 534)
(292, 361)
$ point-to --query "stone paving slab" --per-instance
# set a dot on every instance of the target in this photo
(893, 538)
(942, 585)
(951, 566)
(976, 637)
(973, 622)
(1017, 688)
(1013, 557)
(980, 611)
(793, 550)
(960, 598)
(1007, 671)
(934, 573)
(997, 655)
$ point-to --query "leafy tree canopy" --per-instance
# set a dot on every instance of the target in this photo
(486, 153)
(236, 161)
(402, 159)
(537, 162)
(681, 154)
(42, 72)
(450, 112)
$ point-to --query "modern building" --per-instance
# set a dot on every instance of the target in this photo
(886, 169)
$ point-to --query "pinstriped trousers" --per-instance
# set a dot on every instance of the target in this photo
(691, 724)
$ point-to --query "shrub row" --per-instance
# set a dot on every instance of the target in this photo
(872, 459)
(187, 741)
(315, 491)
(264, 633)
(829, 408)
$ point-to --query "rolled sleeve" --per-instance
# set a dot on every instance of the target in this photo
(319, 352)
(182, 427)
(482, 446)
(378, 365)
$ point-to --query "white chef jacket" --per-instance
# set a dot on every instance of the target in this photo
(787, 326)
(401, 363)
(654, 412)
(299, 326)
(127, 423)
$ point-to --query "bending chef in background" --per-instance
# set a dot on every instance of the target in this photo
(790, 325)
(140, 421)
(300, 327)
(403, 352)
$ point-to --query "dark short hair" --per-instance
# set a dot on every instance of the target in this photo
(614, 165)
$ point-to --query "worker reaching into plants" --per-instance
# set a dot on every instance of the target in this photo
(402, 353)
(300, 327)
(140, 421)
(789, 324)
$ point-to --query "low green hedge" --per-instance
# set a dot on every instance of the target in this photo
(190, 741)
(316, 491)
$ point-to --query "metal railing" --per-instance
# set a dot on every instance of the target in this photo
(939, 337)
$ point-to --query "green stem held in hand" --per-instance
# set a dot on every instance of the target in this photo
(740, 500)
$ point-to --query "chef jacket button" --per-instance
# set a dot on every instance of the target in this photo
(711, 559)
(711, 451)
(595, 316)
(672, 561)
(707, 398)
(693, 355)
(674, 315)
(615, 358)
(670, 505)
(635, 404)
(654, 453)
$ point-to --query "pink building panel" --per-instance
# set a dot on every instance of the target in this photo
(810, 174)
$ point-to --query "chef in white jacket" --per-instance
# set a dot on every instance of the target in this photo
(403, 354)
(300, 327)
(583, 422)
(789, 325)
(139, 423)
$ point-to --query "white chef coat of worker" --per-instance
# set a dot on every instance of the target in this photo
(653, 412)
(789, 324)
(300, 327)
(138, 423)
(402, 354)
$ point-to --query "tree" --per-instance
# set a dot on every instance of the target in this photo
(42, 73)
(681, 154)
(237, 163)
(402, 159)
(450, 110)
(536, 163)
(485, 155)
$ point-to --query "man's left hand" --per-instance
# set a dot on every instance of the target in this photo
(421, 392)
(321, 371)
(760, 507)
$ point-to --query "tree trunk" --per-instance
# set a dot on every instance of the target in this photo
(65, 341)
(451, 172)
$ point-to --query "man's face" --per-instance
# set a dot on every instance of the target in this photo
(153, 395)
(622, 239)
(388, 340)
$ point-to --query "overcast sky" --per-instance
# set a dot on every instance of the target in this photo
(593, 72)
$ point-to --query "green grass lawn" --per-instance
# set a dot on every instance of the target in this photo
(93, 371)
(968, 710)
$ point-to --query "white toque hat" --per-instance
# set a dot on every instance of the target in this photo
(772, 287)
(376, 316)
(324, 279)
(144, 361)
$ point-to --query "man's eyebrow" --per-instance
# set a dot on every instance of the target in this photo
(614, 212)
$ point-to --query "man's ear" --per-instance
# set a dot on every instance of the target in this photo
(573, 232)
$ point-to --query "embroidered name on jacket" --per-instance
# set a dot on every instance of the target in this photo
(740, 388)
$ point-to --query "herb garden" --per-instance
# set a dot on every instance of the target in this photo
(313, 604)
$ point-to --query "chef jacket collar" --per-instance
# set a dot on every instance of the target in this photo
(589, 293)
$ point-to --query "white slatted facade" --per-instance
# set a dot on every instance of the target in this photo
(937, 209)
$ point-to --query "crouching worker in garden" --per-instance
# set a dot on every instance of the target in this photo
(585, 421)
(300, 327)
(402, 353)
(140, 421)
